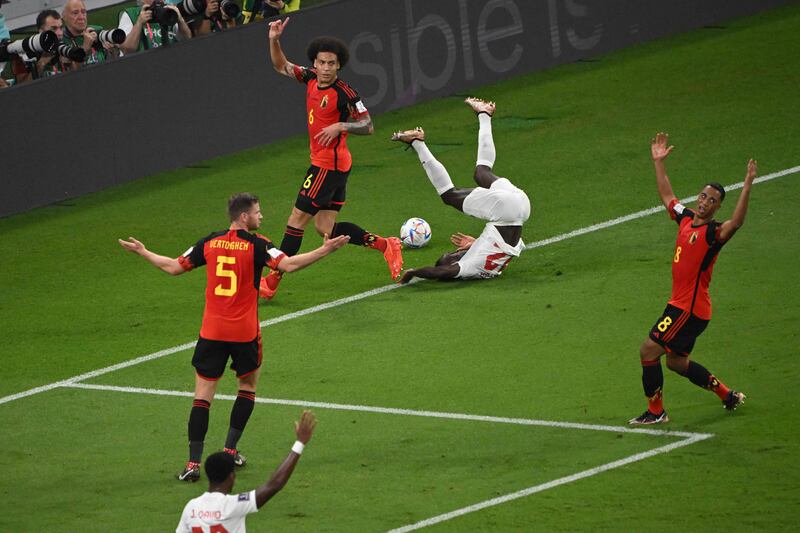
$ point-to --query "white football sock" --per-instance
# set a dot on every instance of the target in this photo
(436, 172)
(486, 153)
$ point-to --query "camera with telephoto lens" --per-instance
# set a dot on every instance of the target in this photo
(191, 8)
(162, 15)
(73, 53)
(111, 37)
(34, 45)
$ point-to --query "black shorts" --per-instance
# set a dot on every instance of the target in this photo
(677, 330)
(210, 357)
(322, 189)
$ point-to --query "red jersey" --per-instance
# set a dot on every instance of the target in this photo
(236, 258)
(696, 250)
(326, 106)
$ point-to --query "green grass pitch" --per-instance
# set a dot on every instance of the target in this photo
(555, 338)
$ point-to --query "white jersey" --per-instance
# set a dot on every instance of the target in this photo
(215, 512)
(488, 255)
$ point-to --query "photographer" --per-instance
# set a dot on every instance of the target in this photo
(77, 32)
(156, 25)
(47, 64)
(257, 10)
(215, 19)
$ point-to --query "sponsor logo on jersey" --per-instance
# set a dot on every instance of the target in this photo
(244, 497)
(693, 237)
(324, 103)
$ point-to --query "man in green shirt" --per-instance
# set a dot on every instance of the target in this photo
(78, 32)
(143, 33)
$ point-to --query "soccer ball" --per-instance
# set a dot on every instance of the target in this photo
(415, 233)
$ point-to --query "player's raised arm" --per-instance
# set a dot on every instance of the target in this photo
(303, 429)
(279, 61)
(167, 264)
(729, 227)
(300, 261)
(659, 150)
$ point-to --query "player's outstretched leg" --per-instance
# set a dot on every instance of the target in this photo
(435, 171)
(700, 376)
(486, 151)
(391, 247)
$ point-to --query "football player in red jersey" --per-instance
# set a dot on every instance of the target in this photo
(230, 328)
(333, 111)
(688, 311)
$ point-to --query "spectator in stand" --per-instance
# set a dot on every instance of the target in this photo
(78, 32)
(257, 10)
(143, 34)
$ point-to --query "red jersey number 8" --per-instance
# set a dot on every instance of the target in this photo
(216, 528)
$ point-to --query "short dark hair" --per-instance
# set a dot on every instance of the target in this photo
(42, 16)
(219, 466)
(240, 203)
(329, 44)
(719, 188)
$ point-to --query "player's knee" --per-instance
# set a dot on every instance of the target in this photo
(650, 351)
(678, 364)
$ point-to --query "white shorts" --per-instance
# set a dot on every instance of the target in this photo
(502, 204)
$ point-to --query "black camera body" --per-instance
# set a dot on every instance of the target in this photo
(162, 15)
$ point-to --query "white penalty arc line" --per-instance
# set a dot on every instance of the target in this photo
(407, 412)
(361, 296)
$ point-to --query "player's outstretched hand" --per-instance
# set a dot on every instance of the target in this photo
(276, 28)
(132, 245)
(407, 276)
(305, 427)
(461, 241)
(660, 147)
(752, 171)
(335, 243)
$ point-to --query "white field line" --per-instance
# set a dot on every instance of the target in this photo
(687, 439)
(407, 412)
(549, 485)
(360, 296)
(648, 212)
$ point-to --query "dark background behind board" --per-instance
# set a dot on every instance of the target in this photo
(171, 107)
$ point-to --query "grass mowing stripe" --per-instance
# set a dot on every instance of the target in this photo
(549, 485)
(366, 294)
(406, 412)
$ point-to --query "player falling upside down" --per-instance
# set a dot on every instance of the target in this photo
(333, 110)
(496, 200)
(700, 238)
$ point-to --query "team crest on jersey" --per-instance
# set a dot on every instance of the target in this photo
(324, 103)
(693, 237)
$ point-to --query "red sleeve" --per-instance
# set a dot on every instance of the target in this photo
(303, 74)
(186, 263)
(671, 208)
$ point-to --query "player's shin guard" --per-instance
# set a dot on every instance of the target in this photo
(198, 426)
(486, 151)
(292, 239)
(240, 414)
(700, 376)
(436, 172)
(652, 382)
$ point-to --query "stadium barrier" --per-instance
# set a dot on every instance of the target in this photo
(171, 107)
